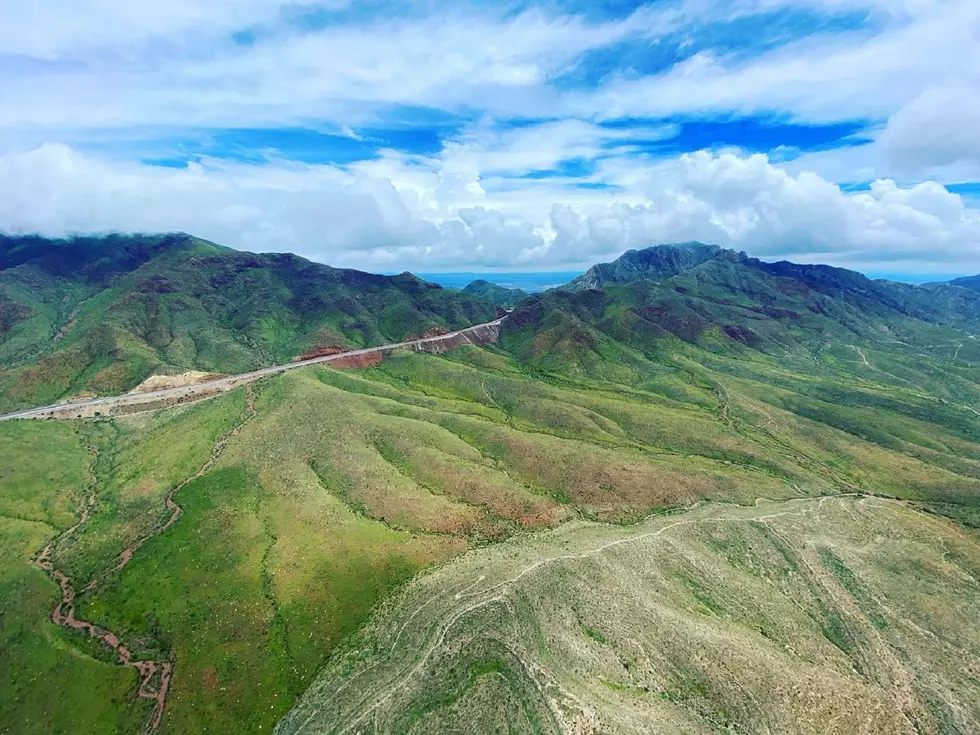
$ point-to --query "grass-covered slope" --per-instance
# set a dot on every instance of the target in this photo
(100, 315)
(757, 317)
(734, 279)
(972, 282)
(843, 616)
(335, 487)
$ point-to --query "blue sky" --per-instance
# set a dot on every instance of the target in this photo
(441, 136)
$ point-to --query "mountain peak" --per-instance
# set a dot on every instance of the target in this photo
(656, 262)
(499, 295)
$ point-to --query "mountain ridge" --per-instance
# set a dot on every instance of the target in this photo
(658, 261)
(101, 314)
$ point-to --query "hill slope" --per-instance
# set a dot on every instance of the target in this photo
(810, 319)
(967, 282)
(102, 314)
(775, 618)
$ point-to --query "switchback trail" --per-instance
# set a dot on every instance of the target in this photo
(155, 675)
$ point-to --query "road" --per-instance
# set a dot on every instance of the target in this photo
(232, 380)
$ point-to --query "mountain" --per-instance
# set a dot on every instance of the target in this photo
(710, 272)
(499, 295)
(662, 261)
(810, 318)
(102, 314)
(731, 498)
(972, 282)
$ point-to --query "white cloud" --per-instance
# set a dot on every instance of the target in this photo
(143, 70)
(63, 29)
(123, 64)
(343, 73)
(412, 219)
(850, 75)
(940, 127)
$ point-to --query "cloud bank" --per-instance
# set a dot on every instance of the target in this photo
(437, 215)
(389, 135)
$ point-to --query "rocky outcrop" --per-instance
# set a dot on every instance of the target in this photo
(661, 261)
(485, 334)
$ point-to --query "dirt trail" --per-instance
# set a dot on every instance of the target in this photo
(154, 675)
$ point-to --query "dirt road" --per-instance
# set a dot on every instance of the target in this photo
(478, 334)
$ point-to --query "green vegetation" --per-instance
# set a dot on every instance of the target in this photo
(101, 315)
(47, 684)
(499, 295)
(782, 650)
(689, 503)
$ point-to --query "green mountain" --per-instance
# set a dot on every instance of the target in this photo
(714, 273)
(730, 304)
(499, 295)
(662, 261)
(102, 314)
(737, 496)
(972, 282)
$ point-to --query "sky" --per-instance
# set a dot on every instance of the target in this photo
(520, 136)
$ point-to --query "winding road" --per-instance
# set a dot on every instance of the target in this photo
(104, 406)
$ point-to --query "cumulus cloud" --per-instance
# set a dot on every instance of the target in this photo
(347, 217)
(851, 75)
(939, 127)
(745, 202)
(530, 173)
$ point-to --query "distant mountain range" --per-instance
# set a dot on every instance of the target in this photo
(666, 261)
(967, 282)
(506, 297)
(620, 319)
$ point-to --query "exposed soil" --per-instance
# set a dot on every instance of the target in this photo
(65, 330)
(156, 399)
(427, 334)
(320, 351)
(164, 382)
(154, 675)
(371, 359)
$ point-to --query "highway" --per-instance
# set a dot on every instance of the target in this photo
(232, 380)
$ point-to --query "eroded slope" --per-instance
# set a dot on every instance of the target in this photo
(849, 614)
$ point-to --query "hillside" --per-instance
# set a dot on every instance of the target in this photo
(775, 618)
(972, 282)
(742, 497)
(499, 295)
(102, 314)
(810, 319)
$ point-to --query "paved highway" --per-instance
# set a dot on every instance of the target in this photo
(232, 380)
